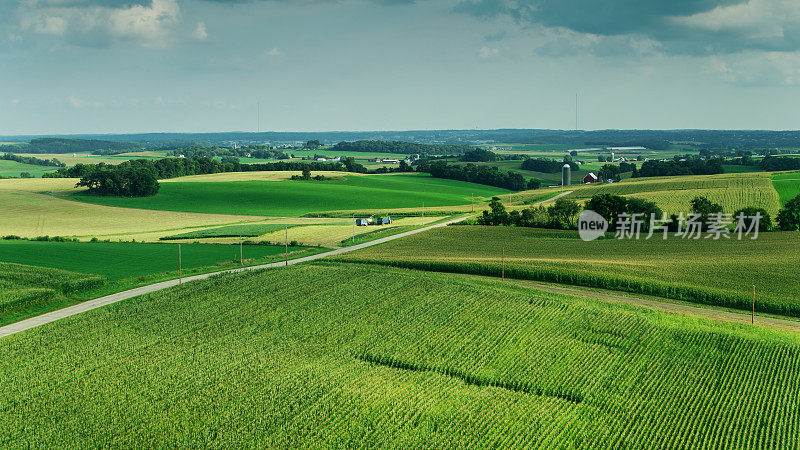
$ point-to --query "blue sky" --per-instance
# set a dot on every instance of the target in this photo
(115, 66)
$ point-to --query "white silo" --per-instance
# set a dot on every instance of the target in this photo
(566, 175)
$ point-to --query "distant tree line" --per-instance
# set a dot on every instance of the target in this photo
(687, 166)
(546, 165)
(401, 147)
(254, 151)
(772, 163)
(65, 145)
(140, 177)
(32, 160)
(490, 176)
(479, 155)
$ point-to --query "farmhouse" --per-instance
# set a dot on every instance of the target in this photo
(590, 178)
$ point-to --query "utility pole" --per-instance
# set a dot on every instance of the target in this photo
(503, 264)
(472, 196)
(241, 253)
(354, 229)
(753, 316)
(180, 270)
(287, 245)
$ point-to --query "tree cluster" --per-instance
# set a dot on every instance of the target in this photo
(124, 180)
(773, 163)
(32, 160)
(689, 166)
(490, 176)
(401, 147)
(545, 165)
(562, 215)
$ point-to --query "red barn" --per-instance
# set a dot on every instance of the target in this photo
(591, 178)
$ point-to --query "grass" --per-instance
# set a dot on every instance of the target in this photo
(296, 198)
(14, 169)
(27, 212)
(719, 273)
(331, 356)
(787, 185)
(121, 260)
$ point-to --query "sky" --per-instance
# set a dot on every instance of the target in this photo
(120, 66)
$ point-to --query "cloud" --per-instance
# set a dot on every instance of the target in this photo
(99, 23)
(486, 52)
(678, 26)
(200, 32)
(273, 52)
(78, 103)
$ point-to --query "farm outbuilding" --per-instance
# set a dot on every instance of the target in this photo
(362, 222)
(590, 178)
(384, 221)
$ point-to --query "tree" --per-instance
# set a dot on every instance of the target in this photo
(789, 215)
(601, 158)
(644, 207)
(574, 153)
(306, 174)
(534, 183)
(764, 224)
(565, 211)
(497, 215)
(25, 175)
(609, 206)
(705, 207)
(609, 172)
(313, 144)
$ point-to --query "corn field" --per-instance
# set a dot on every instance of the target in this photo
(22, 286)
(720, 273)
(349, 355)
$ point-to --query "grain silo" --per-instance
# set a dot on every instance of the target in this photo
(566, 175)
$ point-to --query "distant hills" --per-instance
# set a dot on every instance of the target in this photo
(656, 139)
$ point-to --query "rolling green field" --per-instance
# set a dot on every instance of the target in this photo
(14, 168)
(345, 356)
(296, 198)
(704, 271)
(787, 185)
(121, 260)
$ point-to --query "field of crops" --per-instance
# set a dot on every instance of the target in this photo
(704, 271)
(119, 260)
(340, 356)
(296, 198)
(26, 286)
(787, 185)
(672, 195)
